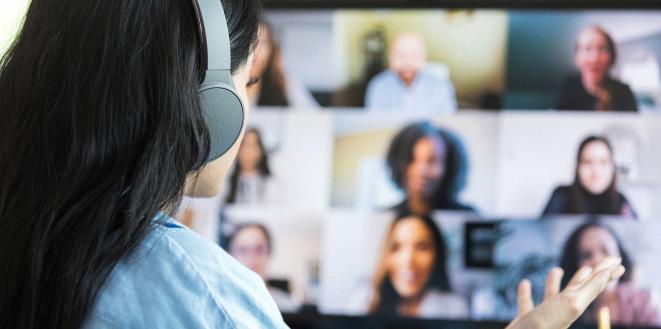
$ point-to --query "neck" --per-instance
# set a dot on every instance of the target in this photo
(419, 205)
(592, 85)
(249, 171)
(589, 193)
(408, 81)
(410, 306)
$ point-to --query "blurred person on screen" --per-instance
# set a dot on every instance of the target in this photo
(251, 181)
(430, 166)
(588, 245)
(410, 83)
(411, 278)
(594, 190)
(273, 85)
(560, 308)
(594, 89)
(251, 244)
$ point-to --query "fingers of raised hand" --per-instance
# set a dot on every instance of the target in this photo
(609, 262)
(579, 278)
(587, 284)
(598, 281)
(524, 294)
(553, 280)
(585, 273)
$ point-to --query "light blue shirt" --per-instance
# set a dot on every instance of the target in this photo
(429, 92)
(177, 279)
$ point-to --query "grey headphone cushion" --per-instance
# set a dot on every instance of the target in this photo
(224, 115)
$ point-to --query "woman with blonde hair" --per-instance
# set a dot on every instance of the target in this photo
(594, 89)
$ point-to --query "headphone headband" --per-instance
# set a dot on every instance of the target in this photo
(214, 52)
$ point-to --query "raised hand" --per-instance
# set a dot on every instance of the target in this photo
(561, 308)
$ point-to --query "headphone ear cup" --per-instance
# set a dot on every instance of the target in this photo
(224, 114)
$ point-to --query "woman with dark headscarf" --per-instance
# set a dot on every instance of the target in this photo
(594, 190)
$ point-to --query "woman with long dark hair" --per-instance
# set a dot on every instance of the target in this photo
(276, 86)
(594, 190)
(251, 181)
(271, 89)
(411, 278)
(629, 305)
(102, 132)
(430, 166)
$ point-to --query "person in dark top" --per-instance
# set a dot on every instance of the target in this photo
(593, 89)
(250, 181)
(430, 165)
(594, 190)
(629, 304)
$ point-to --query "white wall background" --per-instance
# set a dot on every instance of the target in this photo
(308, 48)
(618, 23)
(11, 16)
(652, 167)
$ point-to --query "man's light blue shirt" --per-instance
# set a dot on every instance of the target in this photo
(429, 92)
(177, 279)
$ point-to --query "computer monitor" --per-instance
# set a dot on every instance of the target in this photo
(461, 123)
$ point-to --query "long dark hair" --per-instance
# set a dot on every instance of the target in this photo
(610, 201)
(262, 167)
(569, 259)
(101, 124)
(400, 155)
(385, 298)
(273, 90)
(456, 171)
